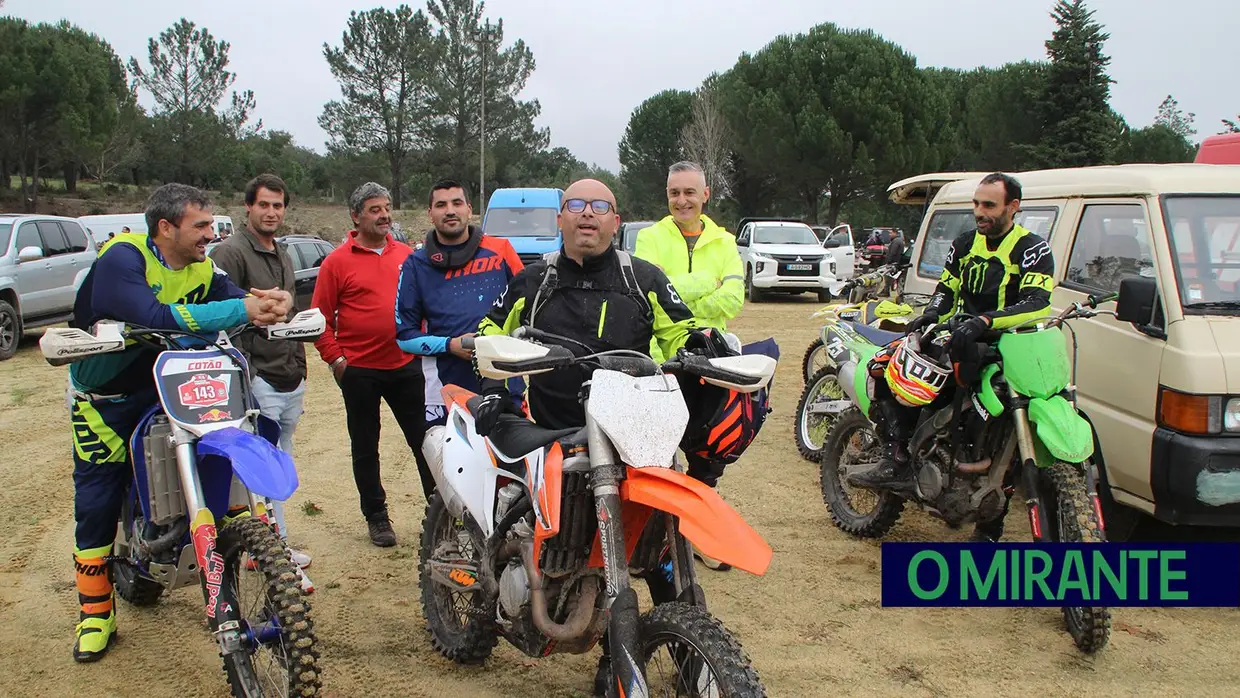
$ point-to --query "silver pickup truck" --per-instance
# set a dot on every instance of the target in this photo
(43, 260)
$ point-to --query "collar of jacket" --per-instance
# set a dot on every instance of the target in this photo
(455, 258)
(258, 246)
(711, 230)
(591, 263)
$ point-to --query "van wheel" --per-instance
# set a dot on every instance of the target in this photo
(10, 330)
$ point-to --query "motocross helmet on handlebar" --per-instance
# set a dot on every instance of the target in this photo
(722, 422)
(914, 377)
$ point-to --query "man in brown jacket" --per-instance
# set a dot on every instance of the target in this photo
(253, 259)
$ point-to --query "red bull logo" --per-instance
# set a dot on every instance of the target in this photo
(214, 415)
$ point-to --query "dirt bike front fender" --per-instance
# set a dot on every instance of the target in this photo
(705, 519)
(1064, 432)
(264, 469)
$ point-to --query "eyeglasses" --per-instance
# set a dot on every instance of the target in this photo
(599, 206)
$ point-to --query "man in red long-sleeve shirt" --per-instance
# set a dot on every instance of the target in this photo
(356, 291)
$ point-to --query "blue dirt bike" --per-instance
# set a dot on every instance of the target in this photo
(204, 454)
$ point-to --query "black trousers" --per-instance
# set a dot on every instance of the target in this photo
(404, 391)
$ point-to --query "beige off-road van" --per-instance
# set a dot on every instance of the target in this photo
(1161, 385)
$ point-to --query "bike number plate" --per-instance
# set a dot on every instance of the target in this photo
(199, 389)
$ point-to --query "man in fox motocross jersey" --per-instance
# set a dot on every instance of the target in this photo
(1002, 275)
(163, 280)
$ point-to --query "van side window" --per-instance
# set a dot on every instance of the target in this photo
(945, 227)
(1112, 242)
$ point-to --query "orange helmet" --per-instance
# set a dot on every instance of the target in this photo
(914, 378)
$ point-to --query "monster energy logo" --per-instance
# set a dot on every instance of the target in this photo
(973, 276)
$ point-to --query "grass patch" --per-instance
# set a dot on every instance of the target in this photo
(19, 395)
(311, 509)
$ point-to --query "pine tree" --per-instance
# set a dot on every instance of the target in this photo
(1078, 127)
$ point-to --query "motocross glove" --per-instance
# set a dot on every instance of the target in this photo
(495, 402)
(921, 322)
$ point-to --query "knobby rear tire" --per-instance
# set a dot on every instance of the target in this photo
(271, 556)
(1075, 521)
(886, 512)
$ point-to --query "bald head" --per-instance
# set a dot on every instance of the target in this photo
(588, 218)
(590, 189)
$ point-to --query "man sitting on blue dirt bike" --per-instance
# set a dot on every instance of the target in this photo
(163, 280)
(1000, 274)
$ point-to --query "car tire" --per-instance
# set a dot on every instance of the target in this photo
(10, 330)
(752, 293)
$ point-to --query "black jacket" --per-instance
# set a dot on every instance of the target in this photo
(593, 305)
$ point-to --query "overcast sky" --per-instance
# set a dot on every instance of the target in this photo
(596, 61)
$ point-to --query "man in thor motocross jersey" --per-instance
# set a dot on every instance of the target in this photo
(1002, 275)
(161, 280)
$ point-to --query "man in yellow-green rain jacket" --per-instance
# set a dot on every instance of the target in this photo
(698, 256)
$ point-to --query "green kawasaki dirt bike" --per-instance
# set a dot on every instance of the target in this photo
(821, 397)
(1019, 414)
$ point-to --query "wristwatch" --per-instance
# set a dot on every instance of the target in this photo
(336, 363)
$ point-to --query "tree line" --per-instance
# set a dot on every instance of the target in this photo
(817, 125)
(813, 125)
(411, 85)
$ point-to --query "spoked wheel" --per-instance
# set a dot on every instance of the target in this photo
(460, 626)
(822, 402)
(1075, 521)
(851, 446)
(687, 652)
(283, 656)
(815, 358)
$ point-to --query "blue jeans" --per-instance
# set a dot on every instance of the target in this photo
(285, 409)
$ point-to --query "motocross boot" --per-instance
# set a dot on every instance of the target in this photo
(96, 628)
(991, 531)
(893, 472)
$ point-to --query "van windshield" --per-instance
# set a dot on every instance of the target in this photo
(1205, 244)
(517, 222)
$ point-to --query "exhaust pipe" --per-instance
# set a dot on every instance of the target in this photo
(846, 375)
(432, 448)
(578, 623)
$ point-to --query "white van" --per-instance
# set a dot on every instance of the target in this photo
(102, 226)
(1162, 387)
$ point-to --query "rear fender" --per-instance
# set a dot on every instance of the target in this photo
(705, 519)
(260, 466)
(1065, 433)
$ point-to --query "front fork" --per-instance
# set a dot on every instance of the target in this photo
(1030, 475)
(606, 472)
(221, 608)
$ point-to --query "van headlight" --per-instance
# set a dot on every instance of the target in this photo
(1231, 415)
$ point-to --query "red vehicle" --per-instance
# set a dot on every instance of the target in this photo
(1222, 149)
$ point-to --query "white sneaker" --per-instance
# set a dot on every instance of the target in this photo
(300, 559)
(305, 583)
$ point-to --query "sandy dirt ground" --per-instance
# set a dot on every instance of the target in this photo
(813, 625)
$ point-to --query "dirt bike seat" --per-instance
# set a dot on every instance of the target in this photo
(516, 436)
(875, 335)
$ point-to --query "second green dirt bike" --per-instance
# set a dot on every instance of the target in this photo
(1019, 415)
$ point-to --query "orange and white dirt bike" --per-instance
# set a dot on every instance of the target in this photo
(533, 532)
